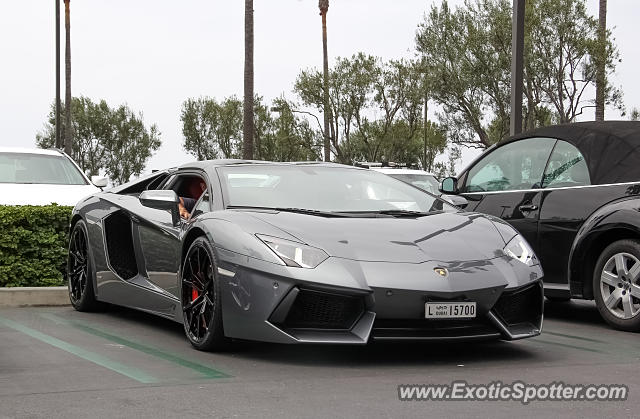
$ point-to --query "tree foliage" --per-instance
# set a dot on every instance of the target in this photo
(110, 140)
(376, 110)
(467, 52)
(213, 129)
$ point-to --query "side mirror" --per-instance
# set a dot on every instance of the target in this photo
(162, 200)
(100, 181)
(457, 200)
(449, 186)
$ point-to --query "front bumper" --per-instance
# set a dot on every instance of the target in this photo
(334, 317)
(351, 302)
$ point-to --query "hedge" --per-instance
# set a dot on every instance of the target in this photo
(33, 245)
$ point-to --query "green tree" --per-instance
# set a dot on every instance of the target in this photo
(351, 90)
(129, 146)
(212, 130)
(290, 138)
(114, 141)
(467, 54)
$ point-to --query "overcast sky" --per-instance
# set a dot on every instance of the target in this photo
(153, 54)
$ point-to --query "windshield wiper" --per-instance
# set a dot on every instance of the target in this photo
(306, 211)
(394, 213)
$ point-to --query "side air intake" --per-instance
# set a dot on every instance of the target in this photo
(120, 251)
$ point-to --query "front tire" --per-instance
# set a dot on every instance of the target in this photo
(80, 270)
(616, 285)
(201, 300)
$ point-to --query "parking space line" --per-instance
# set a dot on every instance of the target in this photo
(103, 361)
(574, 337)
(548, 342)
(207, 372)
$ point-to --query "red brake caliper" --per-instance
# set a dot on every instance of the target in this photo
(194, 293)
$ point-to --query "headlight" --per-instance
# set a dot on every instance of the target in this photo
(519, 249)
(294, 254)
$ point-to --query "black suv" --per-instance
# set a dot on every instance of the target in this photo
(573, 191)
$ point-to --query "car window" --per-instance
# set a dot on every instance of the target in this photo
(39, 168)
(515, 166)
(202, 206)
(566, 167)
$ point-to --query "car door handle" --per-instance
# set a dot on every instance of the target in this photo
(527, 208)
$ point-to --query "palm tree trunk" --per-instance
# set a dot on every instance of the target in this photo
(601, 77)
(324, 8)
(68, 129)
(247, 130)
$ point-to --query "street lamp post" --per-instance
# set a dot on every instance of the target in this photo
(58, 139)
(517, 52)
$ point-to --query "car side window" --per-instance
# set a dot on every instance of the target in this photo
(566, 167)
(515, 166)
(203, 205)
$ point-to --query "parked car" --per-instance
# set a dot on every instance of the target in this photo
(418, 178)
(573, 191)
(426, 181)
(41, 177)
(301, 253)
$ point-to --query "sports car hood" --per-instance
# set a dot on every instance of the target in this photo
(446, 237)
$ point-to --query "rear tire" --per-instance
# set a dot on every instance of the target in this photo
(201, 299)
(80, 270)
(616, 285)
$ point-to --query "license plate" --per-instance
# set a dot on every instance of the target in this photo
(466, 310)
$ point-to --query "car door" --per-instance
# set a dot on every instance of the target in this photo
(566, 203)
(161, 241)
(506, 183)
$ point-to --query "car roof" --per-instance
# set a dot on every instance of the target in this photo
(611, 149)
(391, 170)
(25, 150)
(205, 164)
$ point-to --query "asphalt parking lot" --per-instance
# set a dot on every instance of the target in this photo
(56, 362)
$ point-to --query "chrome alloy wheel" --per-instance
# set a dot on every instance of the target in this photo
(620, 285)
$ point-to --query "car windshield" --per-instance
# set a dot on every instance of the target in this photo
(425, 181)
(39, 168)
(322, 188)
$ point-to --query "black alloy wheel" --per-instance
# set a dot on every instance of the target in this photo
(201, 307)
(80, 270)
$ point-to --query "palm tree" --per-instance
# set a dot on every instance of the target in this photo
(68, 131)
(324, 8)
(601, 77)
(247, 129)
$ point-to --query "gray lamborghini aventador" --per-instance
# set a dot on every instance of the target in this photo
(301, 253)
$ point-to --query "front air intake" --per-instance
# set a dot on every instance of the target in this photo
(322, 310)
(523, 305)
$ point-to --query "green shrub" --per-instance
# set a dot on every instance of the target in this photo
(33, 245)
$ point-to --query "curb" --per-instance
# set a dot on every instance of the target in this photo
(34, 296)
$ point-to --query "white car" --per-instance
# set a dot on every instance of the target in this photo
(423, 180)
(31, 176)
(418, 178)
